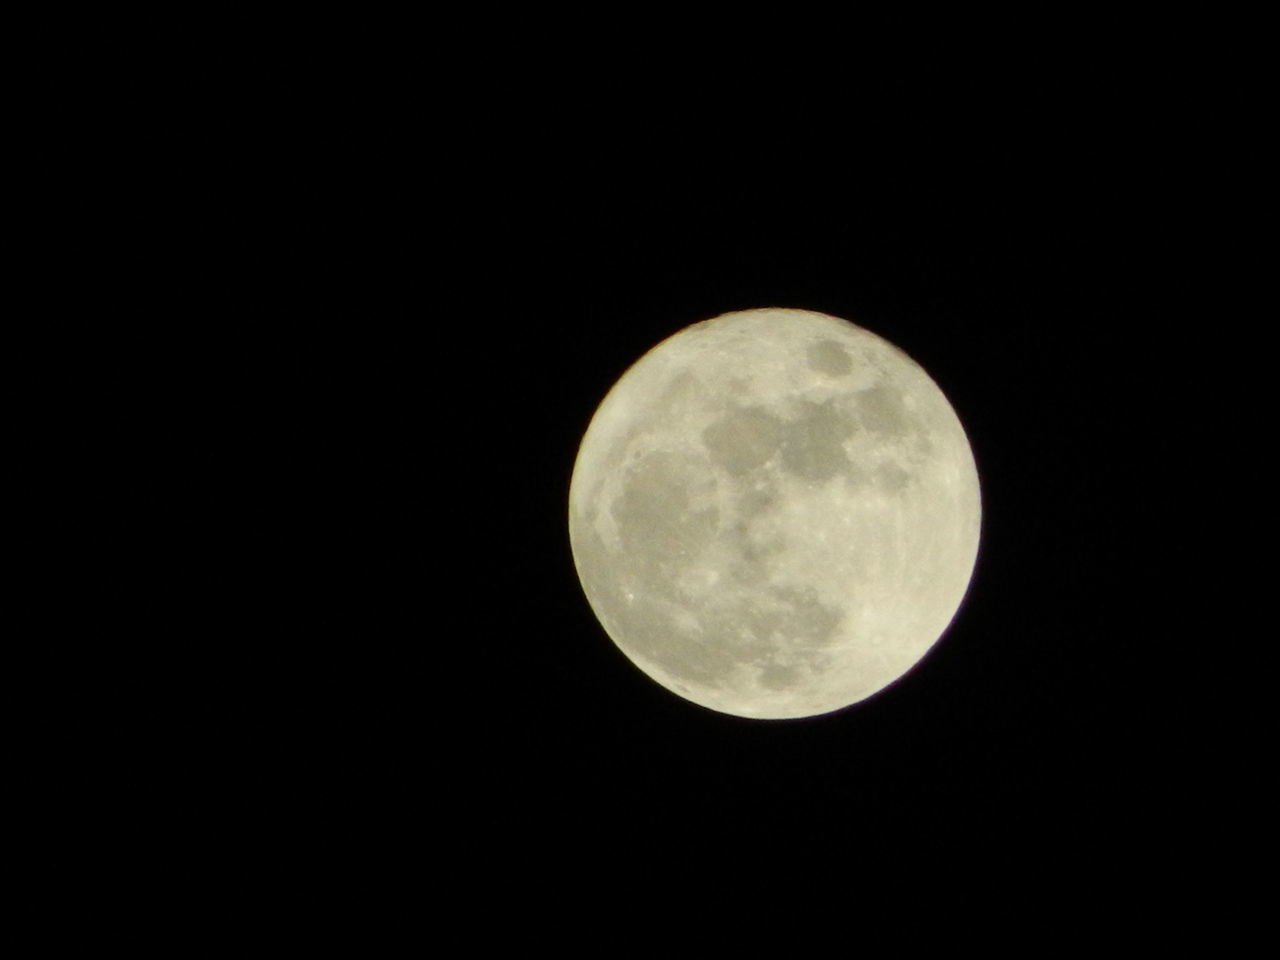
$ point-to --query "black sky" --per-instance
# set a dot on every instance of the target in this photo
(351, 335)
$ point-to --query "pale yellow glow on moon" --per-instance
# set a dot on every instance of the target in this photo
(775, 513)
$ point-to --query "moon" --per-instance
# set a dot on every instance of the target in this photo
(775, 513)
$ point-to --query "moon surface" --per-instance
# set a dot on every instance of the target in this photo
(775, 513)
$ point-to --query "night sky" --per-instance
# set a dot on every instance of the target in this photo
(352, 334)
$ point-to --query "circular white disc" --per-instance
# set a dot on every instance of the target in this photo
(775, 513)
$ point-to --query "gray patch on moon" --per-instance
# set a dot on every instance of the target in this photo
(757, 499)
(740, 631)
(828, 357)
(654, 516)
(811, 445)
(882, 411)
(892, 477)
(679, 394)
(654, 633)
(814, 444)
(807, 621)
(634, 592)
(775, 677)
(750, 562)
(752, 544)
(771, 632)
(743, 439)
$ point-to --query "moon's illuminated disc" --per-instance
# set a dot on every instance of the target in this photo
(775, 513)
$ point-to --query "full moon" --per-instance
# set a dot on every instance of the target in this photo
(775, 513)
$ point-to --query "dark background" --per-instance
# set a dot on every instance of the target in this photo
(346, 338)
